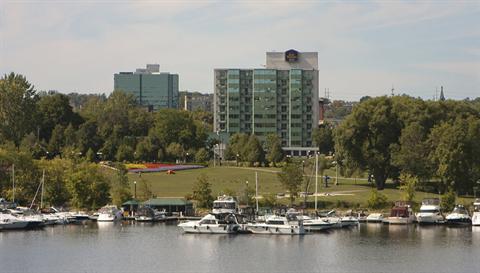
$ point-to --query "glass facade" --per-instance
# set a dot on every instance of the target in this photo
(266, 101)
(155, 91)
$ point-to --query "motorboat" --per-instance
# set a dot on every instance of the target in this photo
(109, 213)
(349, 220)
(476, 213)
(225, 204)
(315, 224)
(11, 222)
(459, 217)
(331, 217)
(213, 223)
(375, 218)
(148, 214)
(289, 224)
(401, 214)
(430, 212)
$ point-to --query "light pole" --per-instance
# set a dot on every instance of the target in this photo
(237, 159)
(316, 179)
(135, 190)
(246, 191)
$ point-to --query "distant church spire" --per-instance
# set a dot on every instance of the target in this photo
(442, 97)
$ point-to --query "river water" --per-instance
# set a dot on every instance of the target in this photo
(141, 247)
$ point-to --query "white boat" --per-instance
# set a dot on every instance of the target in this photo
(282, 225)
(331, 217)
(375, 218)
(109, 213)
(430, 212)
(315, 224)
(148, 214)
(401, 214)
(225, 204)
(213, 223)
(476, 213)
(459, 217)
(11, 222)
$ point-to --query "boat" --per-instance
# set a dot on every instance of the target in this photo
(225, 204)
(109, 213)
(213, 223)
(401, 214)
(476, 213)
(11, 222)
(315, 224)
(430, 212)
(289, 224)
(375, 218)
(349, 220)
(148, 214)
(331, 217)
(459, 217)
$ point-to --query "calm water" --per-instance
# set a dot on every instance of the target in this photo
(134, 247)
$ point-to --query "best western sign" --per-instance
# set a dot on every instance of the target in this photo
(291, 55)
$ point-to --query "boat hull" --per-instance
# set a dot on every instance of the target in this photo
(476, 219)
(398, 220)
(210, 229)
(279, 230)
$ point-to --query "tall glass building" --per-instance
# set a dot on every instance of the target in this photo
(151, 88)
(281, 99)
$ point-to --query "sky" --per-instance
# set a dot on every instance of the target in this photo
(364, 47)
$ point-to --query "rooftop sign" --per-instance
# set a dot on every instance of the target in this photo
(291, 55)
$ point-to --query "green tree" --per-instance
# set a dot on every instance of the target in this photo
(274, 149)
(124, 153)
(366, 136)
(408, 187)
(376, 200)
(90, 155)
(119, 187)
(202, 155)
(145, 190)
(323, 138)
(18, 111)
(291, 178)
(448, 200)
(236, 147)
(254, 151)
(202, 192)
(56, 191)
(175, 151)
(57, 139)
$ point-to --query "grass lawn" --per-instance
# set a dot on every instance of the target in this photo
(353, 191)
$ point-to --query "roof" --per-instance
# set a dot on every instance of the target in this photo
(167, 201)
(132, 202)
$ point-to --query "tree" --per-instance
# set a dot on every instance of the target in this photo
(408, 187)
(56, 140)
(90, 155)
(202, 192)
(291, 178)
(376, 200)
(323, 138)
(448, 200)
(365, 138)
(124, 153)
(175, 150)
(236, 147)
(18, 111)
(202, 155)
(56, 191)
(144, 150)
(145, 190)
(274, 148)
(254, 151)
(119, 189)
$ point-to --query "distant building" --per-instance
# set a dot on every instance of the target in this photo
(281, 99)
(152, 88)
(191, 101)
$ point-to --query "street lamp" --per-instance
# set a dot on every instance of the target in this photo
(135, 190)
(237, 159)
(246, 191)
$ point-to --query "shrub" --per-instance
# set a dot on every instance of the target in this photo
(377, 200)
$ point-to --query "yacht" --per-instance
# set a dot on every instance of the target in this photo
(476, 213)
(430, 212)
(109, 213)
(213, 223)
(225, 204)
(274, 224)
(401, 214)
(332, 218)
(375, 218)
(349, 220)
(315, 224)
(10, 222)
(459, 217)
(148, 214)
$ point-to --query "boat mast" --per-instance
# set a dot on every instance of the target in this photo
(43, 184)
(316, 179)
(13, 183)
(256, 189)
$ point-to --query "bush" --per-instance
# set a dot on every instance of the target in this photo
(448, 200)
(377, 200)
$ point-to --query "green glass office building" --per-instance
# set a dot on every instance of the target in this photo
(151, 88)
(280, 99)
